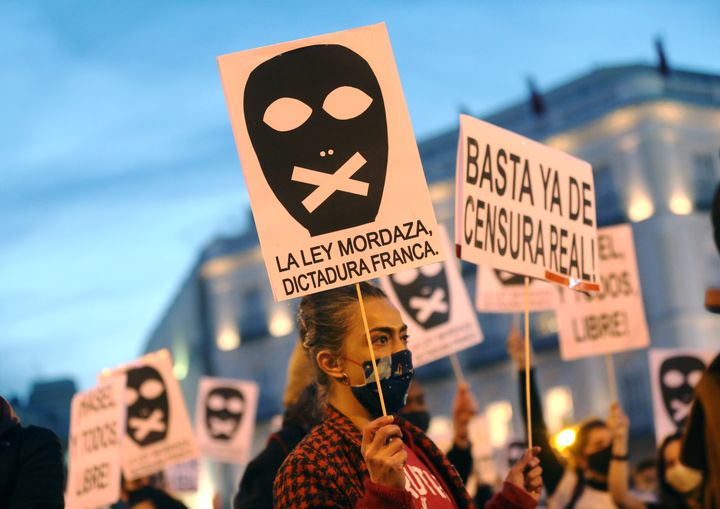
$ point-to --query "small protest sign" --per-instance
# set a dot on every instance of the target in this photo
(524, 207)
(157, 429)
(612, 320)
(499, 291)
(674, 373)
(435, 306)
(97, 426)
(225, 418)
(330, 161)
(183, 477)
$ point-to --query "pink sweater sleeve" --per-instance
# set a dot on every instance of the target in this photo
(381, 497)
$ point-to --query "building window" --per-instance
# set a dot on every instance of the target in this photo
(705, 179)
(253, 315)
(607, 200)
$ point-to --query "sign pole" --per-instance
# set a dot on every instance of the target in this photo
(457, 368)
(612, 379)
(527, 362)
(370, 346)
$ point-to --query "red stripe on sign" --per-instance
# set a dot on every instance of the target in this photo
(557, 278)
(581, 286)
(458, 250)
(587, 287)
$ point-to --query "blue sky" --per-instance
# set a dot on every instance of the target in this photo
(117, 159)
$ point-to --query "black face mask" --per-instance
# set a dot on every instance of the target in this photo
(419, 418)
(395, 372)
(599, 462)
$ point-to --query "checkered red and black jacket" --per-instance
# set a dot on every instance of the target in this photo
(327, 470)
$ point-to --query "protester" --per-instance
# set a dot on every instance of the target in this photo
(356, 458)
(301, 415)
(701, 443)
(645, 480)
(148, 493)
(31, 464)
(416, 412)
(679, 486)
(582, 484)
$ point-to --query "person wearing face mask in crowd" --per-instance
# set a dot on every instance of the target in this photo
(645, 480)
(31, 464)
(679, 486)
(356, 458)
(301, 415)
(583, 483)
(416, 412)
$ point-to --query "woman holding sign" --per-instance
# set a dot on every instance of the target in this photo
(356, 458)
(584, 483)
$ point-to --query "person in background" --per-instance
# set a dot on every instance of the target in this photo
(148, 493)
(582, 484)
(701, 442)
(645, 480)
(355, 458)
(416, 412)
(679, 486)
(31, 464)
(301, 415)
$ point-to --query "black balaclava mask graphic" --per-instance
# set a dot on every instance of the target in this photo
(224, 408)
(148, 410)
(678, 377)
(424, 294)
(316, 119)
(509, 278)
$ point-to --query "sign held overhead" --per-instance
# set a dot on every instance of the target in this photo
(330, 161)
(524, 207)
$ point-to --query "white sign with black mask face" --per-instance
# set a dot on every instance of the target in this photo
(435, 305)
(158, 430)
(331, 165)
(225, 418)
(674, 373)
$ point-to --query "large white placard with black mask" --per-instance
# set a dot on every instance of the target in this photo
(612, 320)
(330, 161)
(674, 373)
(499, 291)
(435, 305)
(524, 207)
(225, 418)
(157, 426)
(97, 426)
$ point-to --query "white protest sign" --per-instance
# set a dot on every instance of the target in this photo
(499, 291)
(157, 430)
(330, 161)
(524, 207)
(183, 477)
(674, 373)
(225, 418)
(614, 319)
(434, 304)
(97, 426)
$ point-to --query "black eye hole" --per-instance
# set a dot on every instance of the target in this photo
(405, 277)
(346, 102)
(286, 113)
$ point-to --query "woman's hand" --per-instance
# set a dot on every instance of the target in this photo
(526, 474)
(618, 424)
(516, 348)
(382, 449)
(464, 407)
